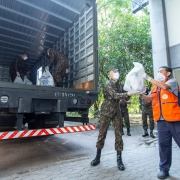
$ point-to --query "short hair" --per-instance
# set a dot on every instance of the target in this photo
(114, 69)
(25, 53)
(168, 69)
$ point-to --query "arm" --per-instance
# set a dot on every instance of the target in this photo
(146, 98)
(127, 101)
(114, 95)
(160, 84)
(16, 64)
(51, 54)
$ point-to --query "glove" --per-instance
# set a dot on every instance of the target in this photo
(47, 68)
(18, 74)
(145, 76)
(131, 92)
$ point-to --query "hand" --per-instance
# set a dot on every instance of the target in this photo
(18, 74)
(25, 77)
(47, 68)
(131, 92)
(145, 76)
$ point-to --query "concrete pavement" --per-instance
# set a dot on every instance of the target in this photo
(141, 163)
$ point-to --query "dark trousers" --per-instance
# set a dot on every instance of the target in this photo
(167, 130)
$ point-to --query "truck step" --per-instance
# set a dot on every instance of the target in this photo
(45, 132)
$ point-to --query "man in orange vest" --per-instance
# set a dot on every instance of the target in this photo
(166, 112)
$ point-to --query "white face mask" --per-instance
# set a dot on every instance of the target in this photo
(25, 58)
(48, 54)
(160, 77)
(116, 75)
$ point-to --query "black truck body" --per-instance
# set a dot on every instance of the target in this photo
(69, 26)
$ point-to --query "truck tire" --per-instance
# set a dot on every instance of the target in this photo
(8, 120)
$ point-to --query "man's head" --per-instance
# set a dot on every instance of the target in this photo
(164, 73)
(24, 55)
(114, 73)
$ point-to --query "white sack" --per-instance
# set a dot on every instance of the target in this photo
(46, 79)
(27, 81)
(18, 80)
(134, 81)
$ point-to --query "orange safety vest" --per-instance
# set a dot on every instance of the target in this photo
(165, 103)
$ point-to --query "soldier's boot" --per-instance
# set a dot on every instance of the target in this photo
(151, 134)
(120, 164)
(128, 132)
(145, 133)
(122, 131)
(59, 84)
(96, 161)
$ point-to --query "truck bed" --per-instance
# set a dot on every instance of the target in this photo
(11, 85)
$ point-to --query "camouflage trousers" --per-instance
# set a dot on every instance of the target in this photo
(104, 124)
(125, 117)
(59, 71)
(144, 120)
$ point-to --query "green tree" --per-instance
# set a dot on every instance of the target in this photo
(124, 38)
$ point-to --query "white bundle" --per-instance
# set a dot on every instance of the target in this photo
(134, 81)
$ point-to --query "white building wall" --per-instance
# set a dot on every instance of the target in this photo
(159, 35)
(173, 21)
(173, 27)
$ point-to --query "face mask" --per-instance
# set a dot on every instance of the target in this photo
(116, 75)
(160, 77)
(25, 58)
(48, 54)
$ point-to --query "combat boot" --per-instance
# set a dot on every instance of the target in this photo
(122, 131)
(145, 133)
(128, 132)
(96, 161)
(119, 161)
(151, 134)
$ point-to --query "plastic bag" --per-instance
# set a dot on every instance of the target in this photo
(46, 79)
(18, 80)
(27, 81)
(133, 79)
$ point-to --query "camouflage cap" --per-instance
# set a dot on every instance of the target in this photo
(114, 69)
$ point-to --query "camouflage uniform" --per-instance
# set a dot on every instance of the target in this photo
(60, 62)
(18, 65)
(110, 111)
(146, 109)
(124, 109)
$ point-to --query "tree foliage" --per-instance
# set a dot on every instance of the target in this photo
(124, 38)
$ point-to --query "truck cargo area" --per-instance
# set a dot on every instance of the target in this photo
(69, 26)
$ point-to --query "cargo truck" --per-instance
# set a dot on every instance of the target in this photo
(69, 26)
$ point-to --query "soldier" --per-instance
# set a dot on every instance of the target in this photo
(146, 109)
(124, 110)
(61, 65)
(110, 111)
(18, 67)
